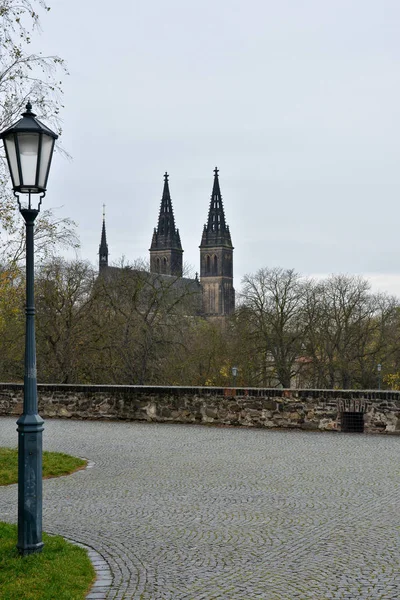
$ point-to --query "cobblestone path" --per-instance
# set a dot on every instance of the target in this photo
(196, 513)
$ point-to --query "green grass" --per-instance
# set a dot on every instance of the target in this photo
(54, 465)
(61, 571)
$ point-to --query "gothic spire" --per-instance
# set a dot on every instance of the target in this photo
(166, 195)
(166, 235)
(103, 248)
(216, 231)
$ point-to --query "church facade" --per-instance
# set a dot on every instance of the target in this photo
(216, 253)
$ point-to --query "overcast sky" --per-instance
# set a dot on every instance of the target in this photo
(296, 102)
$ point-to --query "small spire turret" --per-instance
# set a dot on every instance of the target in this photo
(103, 248)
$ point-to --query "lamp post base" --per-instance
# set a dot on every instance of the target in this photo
(30, 549)
(30, 428)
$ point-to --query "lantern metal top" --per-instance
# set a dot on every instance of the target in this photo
(29, 146)
(28, 124)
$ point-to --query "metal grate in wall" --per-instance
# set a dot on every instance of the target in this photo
(352, 422)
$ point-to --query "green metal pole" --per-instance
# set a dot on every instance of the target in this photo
(30, 424)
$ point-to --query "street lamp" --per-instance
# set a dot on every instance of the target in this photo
(234, 374)
(29, 149)
(379, 367)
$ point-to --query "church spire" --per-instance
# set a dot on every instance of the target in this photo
(103, 248)
(166, 235)
(216, 259)
(166, 248)
(216, 231)
(166, 195)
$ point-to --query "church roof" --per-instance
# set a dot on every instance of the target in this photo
(157, 286)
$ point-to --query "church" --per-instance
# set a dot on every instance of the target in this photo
(216, 253)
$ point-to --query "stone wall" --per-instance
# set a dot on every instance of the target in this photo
(272, 408)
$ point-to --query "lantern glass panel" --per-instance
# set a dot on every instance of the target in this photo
(45, 159)
(28, 144)
(12, 158)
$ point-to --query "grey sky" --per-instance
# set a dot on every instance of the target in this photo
(296, 102)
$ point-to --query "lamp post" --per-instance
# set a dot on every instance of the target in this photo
(234, 375)
(379, 368)
(29, 149)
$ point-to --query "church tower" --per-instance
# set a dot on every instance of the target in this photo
(166, 248)
(103, 248)
(216, 259)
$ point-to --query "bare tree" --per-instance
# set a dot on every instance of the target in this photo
(273, 303)
(26, 75)
(64, 301)
(346, 331)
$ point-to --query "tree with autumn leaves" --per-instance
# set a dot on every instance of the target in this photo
(287, 330)
(25, 75)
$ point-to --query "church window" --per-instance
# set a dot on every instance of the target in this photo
(164, 265)
(208, 265)
(211, 300)
(215, 265)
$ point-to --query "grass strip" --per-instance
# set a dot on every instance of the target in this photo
(55, 464)
(62, 571)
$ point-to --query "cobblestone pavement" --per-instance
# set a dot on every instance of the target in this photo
(196, 513)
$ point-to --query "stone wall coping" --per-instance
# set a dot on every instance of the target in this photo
(212, 391)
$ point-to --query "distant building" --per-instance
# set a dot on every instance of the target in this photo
(216, 253)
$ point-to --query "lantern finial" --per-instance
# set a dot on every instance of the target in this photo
(28, 112)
